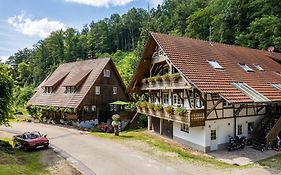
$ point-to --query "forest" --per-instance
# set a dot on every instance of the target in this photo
(249, 23)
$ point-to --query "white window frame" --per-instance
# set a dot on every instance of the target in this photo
(239, 129)
(106, 73)
(164, 99)
(277, 86)
(97, 90)
(184, 128)
(114, 90)
(258, 67)
(215, 64)
(226, 104)
(246, 67)
(86, 108)
(176, 100)
(48, 90)
(94, 108)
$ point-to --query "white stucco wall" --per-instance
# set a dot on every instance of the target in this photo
(225, 128)
(196, 135)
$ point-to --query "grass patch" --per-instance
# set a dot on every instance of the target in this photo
(21, 163)
(162, 145)
(272, 162)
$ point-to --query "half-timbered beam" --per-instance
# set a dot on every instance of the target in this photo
(214, 107)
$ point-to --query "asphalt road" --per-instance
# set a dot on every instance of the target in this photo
(93, 155)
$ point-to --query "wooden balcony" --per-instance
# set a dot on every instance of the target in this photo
(166, 84)
(193, 117)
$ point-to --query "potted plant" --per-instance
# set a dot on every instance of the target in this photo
(166, 77)
(144, 81)
(151, 106)
(176, 76)
(158, 107)
(151, 79)
(158, 78)
(169, 109)
(181, 111)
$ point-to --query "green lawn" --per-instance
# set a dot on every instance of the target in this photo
(21, 163)
(162, 145)
(272, 162)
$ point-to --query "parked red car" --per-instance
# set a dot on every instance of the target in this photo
(31, 140)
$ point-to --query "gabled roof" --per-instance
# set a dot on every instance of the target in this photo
(81, 73)
(190, 57)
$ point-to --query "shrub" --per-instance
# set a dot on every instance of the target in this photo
(158, 107)
(181, 111)
(141, 121)
(116, 117)
(169, 109)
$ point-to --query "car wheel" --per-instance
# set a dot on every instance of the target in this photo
(46, 146)
(25, 148)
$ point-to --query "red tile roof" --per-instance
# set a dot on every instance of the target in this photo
(190, 57)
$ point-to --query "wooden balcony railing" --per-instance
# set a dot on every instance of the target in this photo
(193, 117)
(273, 133)
(166, 84)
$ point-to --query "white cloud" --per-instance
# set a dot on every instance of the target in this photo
(101, 3)
(155, 3)
(42, 27)
(3, 59)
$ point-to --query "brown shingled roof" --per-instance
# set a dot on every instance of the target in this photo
(190, 57)
(87, 69)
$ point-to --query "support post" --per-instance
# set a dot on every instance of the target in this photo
(149, 123)
(161, 126)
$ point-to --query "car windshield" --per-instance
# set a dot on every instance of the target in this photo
(33, 135)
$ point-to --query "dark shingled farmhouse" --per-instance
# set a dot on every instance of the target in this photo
(83, 88)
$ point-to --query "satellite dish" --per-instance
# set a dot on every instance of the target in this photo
(270, 49)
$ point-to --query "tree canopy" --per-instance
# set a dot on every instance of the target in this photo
(6, 85)
(250, 23)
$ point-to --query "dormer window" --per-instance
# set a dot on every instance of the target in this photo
(258, 67)
(106, 73)
(48, 89)
(70, 89)
(277, 86)
(114, 90)
(246, 67)
(215, 64)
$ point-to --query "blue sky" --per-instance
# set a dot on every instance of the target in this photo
(24, 22)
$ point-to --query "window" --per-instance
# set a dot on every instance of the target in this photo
(226, 104)
(215, 64)
(176, 100)
(114, 90)
(152, 98)
(48, 90)
(246, 67)
(165, 97)
(86, 108)
(250, 92)
(239, 130)
(258, 67)
(110, 107)
(213, 134)
(94, 108)
(277, 86)
(70, 89)
(106, 73)
(97, 90)
(250, 127)
(184, 128)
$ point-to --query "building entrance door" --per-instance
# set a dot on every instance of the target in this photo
(213, 139)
